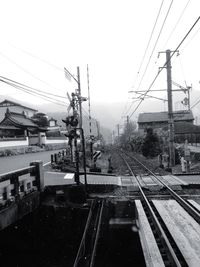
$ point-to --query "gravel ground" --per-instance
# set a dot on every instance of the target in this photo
(121, 169)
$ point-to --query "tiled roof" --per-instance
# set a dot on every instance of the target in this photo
(18, 120)
(22, 120)
(8, 127)
(183, 115)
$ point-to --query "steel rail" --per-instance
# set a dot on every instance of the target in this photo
(173, 256)
(82, 244)
(194, 213)
(97, 235)
(97, 216)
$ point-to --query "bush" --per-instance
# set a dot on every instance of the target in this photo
(151, 146)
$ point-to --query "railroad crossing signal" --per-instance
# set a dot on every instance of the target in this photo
(96, 155)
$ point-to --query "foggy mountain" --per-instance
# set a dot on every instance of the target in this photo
(95, 125)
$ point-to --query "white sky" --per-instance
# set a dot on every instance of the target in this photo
(109, 35)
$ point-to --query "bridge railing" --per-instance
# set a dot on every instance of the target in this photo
(14, 185)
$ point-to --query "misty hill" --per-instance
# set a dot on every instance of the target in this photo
(95, 125)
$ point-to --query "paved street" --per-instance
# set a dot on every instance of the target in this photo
(20, 161)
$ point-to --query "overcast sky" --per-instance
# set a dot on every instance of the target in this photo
(41, 37)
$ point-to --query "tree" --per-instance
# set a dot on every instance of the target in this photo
(151, 146)
(40, 119)
(126, 137)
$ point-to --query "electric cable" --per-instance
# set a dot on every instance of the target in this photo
(28, 72)
(55, 101)
(156, 42)
(144, 55)
(32, 88)
(151, 35)
(37, 57)
(179, 19)
(172, 54)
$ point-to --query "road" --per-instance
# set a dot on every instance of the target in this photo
(20, 161)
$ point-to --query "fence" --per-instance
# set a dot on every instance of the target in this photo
(15, 185)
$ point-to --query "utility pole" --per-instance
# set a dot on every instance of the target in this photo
(170, 110)
(118, 130)
(90, 118)
(127, 119)
(79, 98)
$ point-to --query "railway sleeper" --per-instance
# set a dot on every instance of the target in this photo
(169, 236)
(159, 240)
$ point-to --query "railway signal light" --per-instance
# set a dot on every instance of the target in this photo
(71, 120)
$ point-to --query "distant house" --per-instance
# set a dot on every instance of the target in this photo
(184, 129)
(18, 125)
(52, 125)
(187, 131)
(24, 126)
(159, 120)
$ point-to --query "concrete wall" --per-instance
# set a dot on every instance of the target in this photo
(55, 140)
(17, 210)
(13, 143)
(33, 140)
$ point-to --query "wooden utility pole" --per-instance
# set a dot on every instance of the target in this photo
(118, 130)
(79, 98)
(170, 110)
(127, 119)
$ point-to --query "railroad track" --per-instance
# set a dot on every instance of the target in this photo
(88, 246)
(169, 251)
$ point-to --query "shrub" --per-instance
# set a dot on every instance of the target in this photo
(151, 146)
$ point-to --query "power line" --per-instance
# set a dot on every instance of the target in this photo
(195, 103)
(37, 57)
(174, 28)
(32, 88)
(172, 54)
(26, 71)
(144, 55)
(156, 42)
(193, 36)
(55, 101)
(151, 35)
(158, 37)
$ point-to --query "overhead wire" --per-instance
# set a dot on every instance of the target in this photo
(182, 70)
(155, 44)
(26, 71)
(178, 21)
(28, 91)
(37, 57)
(144, 55)
(32, 88)
(151, 35)
(160, 70)
(191, 39)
